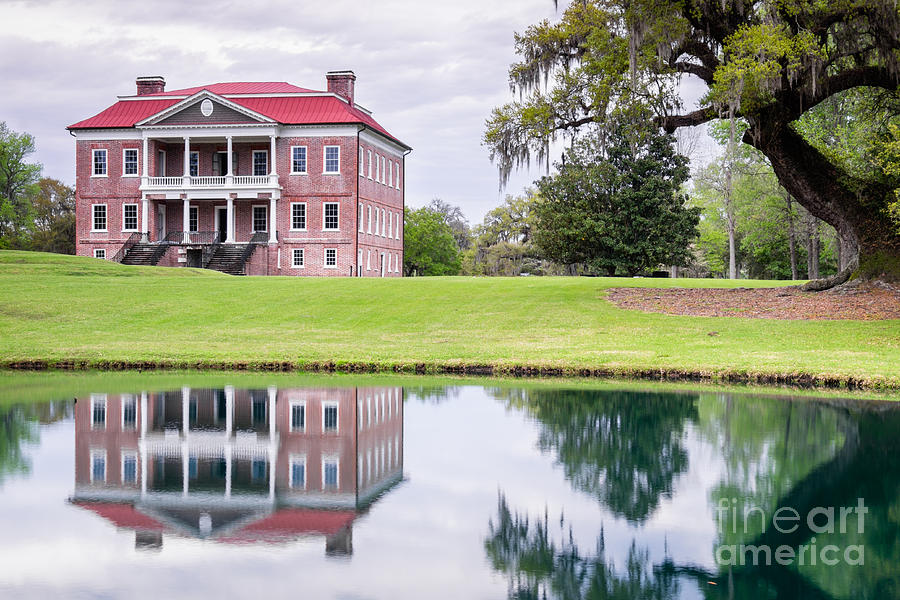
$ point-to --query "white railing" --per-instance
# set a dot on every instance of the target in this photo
(211, 181)
(208, 181)
(251, 180)
(165, 181)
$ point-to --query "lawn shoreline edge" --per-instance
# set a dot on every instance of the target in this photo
(799, 379)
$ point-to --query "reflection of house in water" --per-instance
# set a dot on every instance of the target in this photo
(238, 465)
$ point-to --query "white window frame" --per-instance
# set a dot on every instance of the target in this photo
(94, 154)
(376, 221)
(398, 176)
(137, 162)
(294, 264)
(391, 173)
(370, 164)
(369, 228)
(324, 210)
(369, 259)
(362, 216)
(253, 162)
(325, 264)
(397, 262)
(337, 463)
(377, 168)
(305, 216)
(383, 224)
(136, 217)
(337, 420)
(94, 217)
(194, 154)
(253, 218)
(161, 172)
(362, 162)
(383, 169)
(127, 398)
(96, 452)
(325, 170)
(297, 459)
(100, 253)
(191, 227)
(97, 399)
(127, 454)
(305, 160)
(291, 406)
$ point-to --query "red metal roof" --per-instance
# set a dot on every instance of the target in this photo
(123, 515)
(289, 523)
(287, 110)
(240, 87)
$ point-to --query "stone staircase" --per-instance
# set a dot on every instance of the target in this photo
(144, 254)
(231, 258)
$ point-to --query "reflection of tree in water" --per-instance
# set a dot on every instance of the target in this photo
(537, 566)
(17, 428)
(431, 394)
(623, 448)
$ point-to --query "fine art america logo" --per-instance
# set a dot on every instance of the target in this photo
(821, 520)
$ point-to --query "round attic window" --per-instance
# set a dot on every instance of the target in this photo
(206, 107)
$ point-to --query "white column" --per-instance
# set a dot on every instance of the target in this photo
(229, 226)
(185, 410)
(143, 443)
(273, 208)
(187, 160)
(273, 394)
(273, 448)
(228, 469)
(273, 170)
(185, 467)
(230, 174)
(229, 410)
(145, 220)
(145, 162)
(186, 221)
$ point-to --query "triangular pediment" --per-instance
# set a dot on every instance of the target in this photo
(205, 108)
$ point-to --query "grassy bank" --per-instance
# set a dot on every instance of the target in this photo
(83, 311)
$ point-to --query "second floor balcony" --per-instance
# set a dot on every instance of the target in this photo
(207, 182)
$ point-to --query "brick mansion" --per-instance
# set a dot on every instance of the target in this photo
(246, 178)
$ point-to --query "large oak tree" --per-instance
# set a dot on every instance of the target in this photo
(768, 62)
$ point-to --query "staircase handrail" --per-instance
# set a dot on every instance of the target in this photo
(133, 239)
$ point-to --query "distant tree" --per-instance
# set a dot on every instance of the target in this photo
(457, 221)
(429, 247)
(18, 180)
(616, 204)
(54, 217)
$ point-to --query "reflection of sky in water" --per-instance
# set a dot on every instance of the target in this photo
(424, 538)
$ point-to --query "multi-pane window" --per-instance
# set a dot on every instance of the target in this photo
(129, 217)
(129, 468)
(194, 218)
(329, 472)
(260, 220)
(99, 213)
(383, 224)
(329, 417)
(383, 169)
(130, 161)
(129, 412)
(370, 220)
(330, 257)
(260, 162)
(194, 166)
(99, 163)
(331, 216)
(298, 473)
(298, 215)
(298, 259)
(258, 470)
(332, 159)
(370, 164)
(376, 221)
(298, 159)
(100, 253)
(98, 412)
(98, 466)
(298, 417)
(398, 176)
(259, 410)
(391, 174)
(361, 162)
(361, 217)
(377, 166)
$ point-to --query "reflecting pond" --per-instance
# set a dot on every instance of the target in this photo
(399, 490)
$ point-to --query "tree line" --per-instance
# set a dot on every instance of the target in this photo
(36, 213)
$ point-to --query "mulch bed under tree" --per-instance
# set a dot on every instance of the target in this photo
(862, 302)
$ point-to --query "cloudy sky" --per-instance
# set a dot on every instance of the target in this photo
(430, 71)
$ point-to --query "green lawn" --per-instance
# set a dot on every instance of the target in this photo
(56, 307)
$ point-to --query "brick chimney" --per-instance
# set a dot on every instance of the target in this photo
(341, 83)
(150, 85)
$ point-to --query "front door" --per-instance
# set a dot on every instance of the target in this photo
(160, 222)
(222, 222)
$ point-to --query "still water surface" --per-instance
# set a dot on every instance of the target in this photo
(447, 492)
